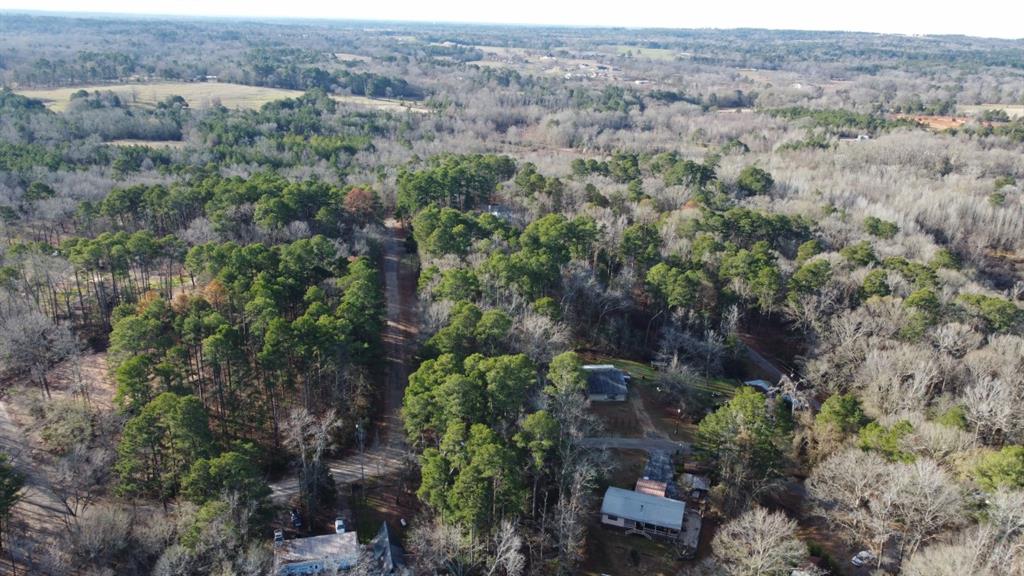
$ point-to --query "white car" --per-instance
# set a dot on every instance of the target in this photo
(863, 558)
(339, 526)
(278, 536)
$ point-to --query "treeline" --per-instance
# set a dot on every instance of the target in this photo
(839, 121)
(291, 69)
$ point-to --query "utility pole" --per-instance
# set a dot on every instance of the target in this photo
(360, 438)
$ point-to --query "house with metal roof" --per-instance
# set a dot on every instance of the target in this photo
(316, 555)
(642, 513)
(606, 383)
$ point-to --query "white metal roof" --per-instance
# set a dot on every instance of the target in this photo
(645, 508)
(335, 550)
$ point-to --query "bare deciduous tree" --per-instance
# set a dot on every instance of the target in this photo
(31, 343)
(872, 500)
(759, 543)
(437, 546)
(506, 551)
(310, 435)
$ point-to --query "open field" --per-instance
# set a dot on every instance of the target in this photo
(203, 95)
(347, 57)
(1012, 110)
(149, 143)
(197, 94)
(504, 52)
(640, 51)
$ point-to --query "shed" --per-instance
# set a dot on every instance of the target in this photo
(659, 470)
(606, 383)
(652, 487)
(650, 515)
(695, 486)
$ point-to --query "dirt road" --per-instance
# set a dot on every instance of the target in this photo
(648, 444)
(386, 452)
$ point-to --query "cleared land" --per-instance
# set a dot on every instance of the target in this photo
(1012, 110)
(348, 57)
(202, 95)
(149, 143)
(197, 94)
(642, 52)
(934, 122)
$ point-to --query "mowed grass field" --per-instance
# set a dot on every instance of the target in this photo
(197, 94)
(202, 95)
(1012, 110)
(652, 53)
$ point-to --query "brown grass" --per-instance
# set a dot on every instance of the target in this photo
(1012, 110)
(203, 95)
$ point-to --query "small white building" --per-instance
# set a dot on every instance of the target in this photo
(606, 383)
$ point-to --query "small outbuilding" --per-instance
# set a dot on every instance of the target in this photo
(659, 476)
(652, 487)
(695, 486)
(606, 383)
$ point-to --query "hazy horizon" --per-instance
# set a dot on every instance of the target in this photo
(796, 15)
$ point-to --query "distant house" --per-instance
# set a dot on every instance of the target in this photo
(606, 383)
(785, 389)
(652, 516)
(388, 555)
(499, 211)
(763, 386)
(316, 555)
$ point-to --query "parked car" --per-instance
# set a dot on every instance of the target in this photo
(339, 525)
(296, 519)
(863, 558)
(278, 536)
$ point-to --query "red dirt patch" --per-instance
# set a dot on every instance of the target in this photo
(934, 122)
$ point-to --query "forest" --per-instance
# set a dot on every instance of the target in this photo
(369, 279)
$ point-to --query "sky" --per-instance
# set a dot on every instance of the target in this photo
(988, 18)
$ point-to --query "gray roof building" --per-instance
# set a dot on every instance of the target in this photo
(606, 382)
(387, 553)
(316, 554)
(643, 509)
